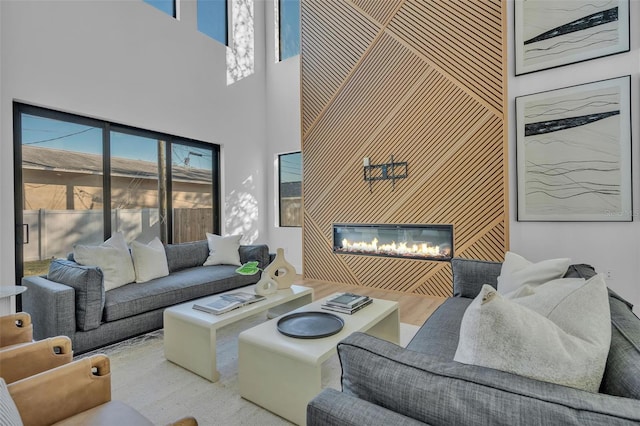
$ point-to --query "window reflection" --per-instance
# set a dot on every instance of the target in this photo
(62, 188)
(66, 199)
(192, 192)
(137, 208)
(290, 188)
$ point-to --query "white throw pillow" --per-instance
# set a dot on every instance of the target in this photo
(566, 342)
(517, 271)
(149, 260)
(223, 250)
(112, 257)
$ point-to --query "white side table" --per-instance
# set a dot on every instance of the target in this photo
(12, 291)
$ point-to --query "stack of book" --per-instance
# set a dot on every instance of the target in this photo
(347, 303)
(228, 302)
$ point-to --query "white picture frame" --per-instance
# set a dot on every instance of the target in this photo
(553, 33)
(573, 153)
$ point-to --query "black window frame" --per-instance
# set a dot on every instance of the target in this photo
(107, 127)
(280, 50)
(280, 189)
(226, 23)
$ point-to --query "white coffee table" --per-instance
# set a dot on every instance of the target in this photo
(190, 335)
(282, 374)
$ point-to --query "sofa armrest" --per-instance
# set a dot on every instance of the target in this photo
(259, 252)
(441, 392)
(51, 306)
(332, 407)
(60, 393)
(15, 328)
(18, 362)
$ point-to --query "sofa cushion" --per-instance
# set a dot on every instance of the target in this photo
(331, 407)
(557, 332)
(149, 260)
(469, 275)
(517, 271)
(622, 375)
(255, 252)
(186, 255)
(439, 335)
(178, 287)
(87, 281)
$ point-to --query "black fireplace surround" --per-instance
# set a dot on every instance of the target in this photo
(407, 241)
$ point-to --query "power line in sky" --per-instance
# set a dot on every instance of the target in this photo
(59, 137)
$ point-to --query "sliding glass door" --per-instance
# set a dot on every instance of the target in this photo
(138, 208)
(61, 187)
(194, 183)
(78, 180)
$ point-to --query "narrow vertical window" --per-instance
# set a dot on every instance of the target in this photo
(290, 188)
(289, 20)
(193, 192)
(212, 19)
(167, 6)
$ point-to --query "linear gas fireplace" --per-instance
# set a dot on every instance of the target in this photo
(427, 242)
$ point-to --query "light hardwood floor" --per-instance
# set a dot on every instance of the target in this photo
(414, 308)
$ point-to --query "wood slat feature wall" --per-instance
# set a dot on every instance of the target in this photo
(423, 80)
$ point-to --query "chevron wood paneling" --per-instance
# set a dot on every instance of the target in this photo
(423, 81)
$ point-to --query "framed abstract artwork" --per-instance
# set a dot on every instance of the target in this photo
(552, 33)
(573, 153)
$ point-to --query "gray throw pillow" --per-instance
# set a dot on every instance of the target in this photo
(622, 375)
(469, 275)
(255, 252)
(186, 255)
(87, 281)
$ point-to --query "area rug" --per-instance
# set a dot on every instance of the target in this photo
(165, 392)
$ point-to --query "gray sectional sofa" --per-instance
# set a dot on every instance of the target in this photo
(384, 384)
(70, 300)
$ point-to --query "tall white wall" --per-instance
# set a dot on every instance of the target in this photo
(283, 133)
(127, 62)
(608, 246)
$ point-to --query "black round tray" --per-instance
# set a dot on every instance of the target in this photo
(310, 325)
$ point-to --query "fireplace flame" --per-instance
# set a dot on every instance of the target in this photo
(402, 249)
